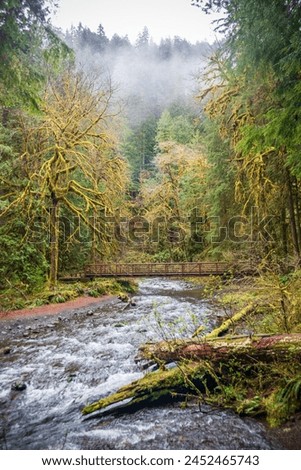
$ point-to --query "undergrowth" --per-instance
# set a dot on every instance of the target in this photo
(257, 390)
(14, 299)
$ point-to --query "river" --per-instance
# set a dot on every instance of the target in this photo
(75, 358)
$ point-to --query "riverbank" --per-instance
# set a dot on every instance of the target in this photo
(46, 301)
(54, 309)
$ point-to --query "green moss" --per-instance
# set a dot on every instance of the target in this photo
(253, 407)
(227, 324)
(238, 299)
(284, 402)
(13, 299)
(154, 387)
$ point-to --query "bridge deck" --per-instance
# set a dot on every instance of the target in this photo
(154, 269)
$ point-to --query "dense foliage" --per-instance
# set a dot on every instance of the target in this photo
(219, 179)
(61, 177)
(252, 95)
(26, 40)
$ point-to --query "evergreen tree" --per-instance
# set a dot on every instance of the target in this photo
(26, 38)
(165, 49)
(142, 40)
(118, 42)
(139, 147)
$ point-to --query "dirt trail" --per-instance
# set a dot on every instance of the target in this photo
(53, 309)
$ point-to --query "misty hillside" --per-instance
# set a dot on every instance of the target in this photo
(149, 77)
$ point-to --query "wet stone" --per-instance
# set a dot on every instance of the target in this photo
(71, 377)
(5, 351)
(18, 386)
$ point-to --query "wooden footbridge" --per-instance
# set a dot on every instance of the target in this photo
(155, 269)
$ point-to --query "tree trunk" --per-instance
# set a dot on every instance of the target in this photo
(293, 223)
(54, 241)
(158, 387)
(284, 232)
(5, 116)
(298, 209)
(199, 368)
(243, 347)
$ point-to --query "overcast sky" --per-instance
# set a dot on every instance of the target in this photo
(164, 18)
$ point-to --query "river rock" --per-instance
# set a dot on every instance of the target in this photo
(18, 386)
(71, 377)
(5, 351)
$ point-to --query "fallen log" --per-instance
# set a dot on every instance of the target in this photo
(156, 387)
(201, 368)
(243, 347)
(228, 323)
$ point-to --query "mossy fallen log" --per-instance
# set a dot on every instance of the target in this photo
(283, 348)
(157, 387)
(203, 367)
(227, 324)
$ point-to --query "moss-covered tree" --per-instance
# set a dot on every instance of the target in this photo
(254, 88)
(69, 160)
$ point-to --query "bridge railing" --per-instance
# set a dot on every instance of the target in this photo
(155, 269)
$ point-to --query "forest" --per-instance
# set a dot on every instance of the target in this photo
(205, 170)
(171, 152)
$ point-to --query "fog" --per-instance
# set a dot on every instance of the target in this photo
(147, 77)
